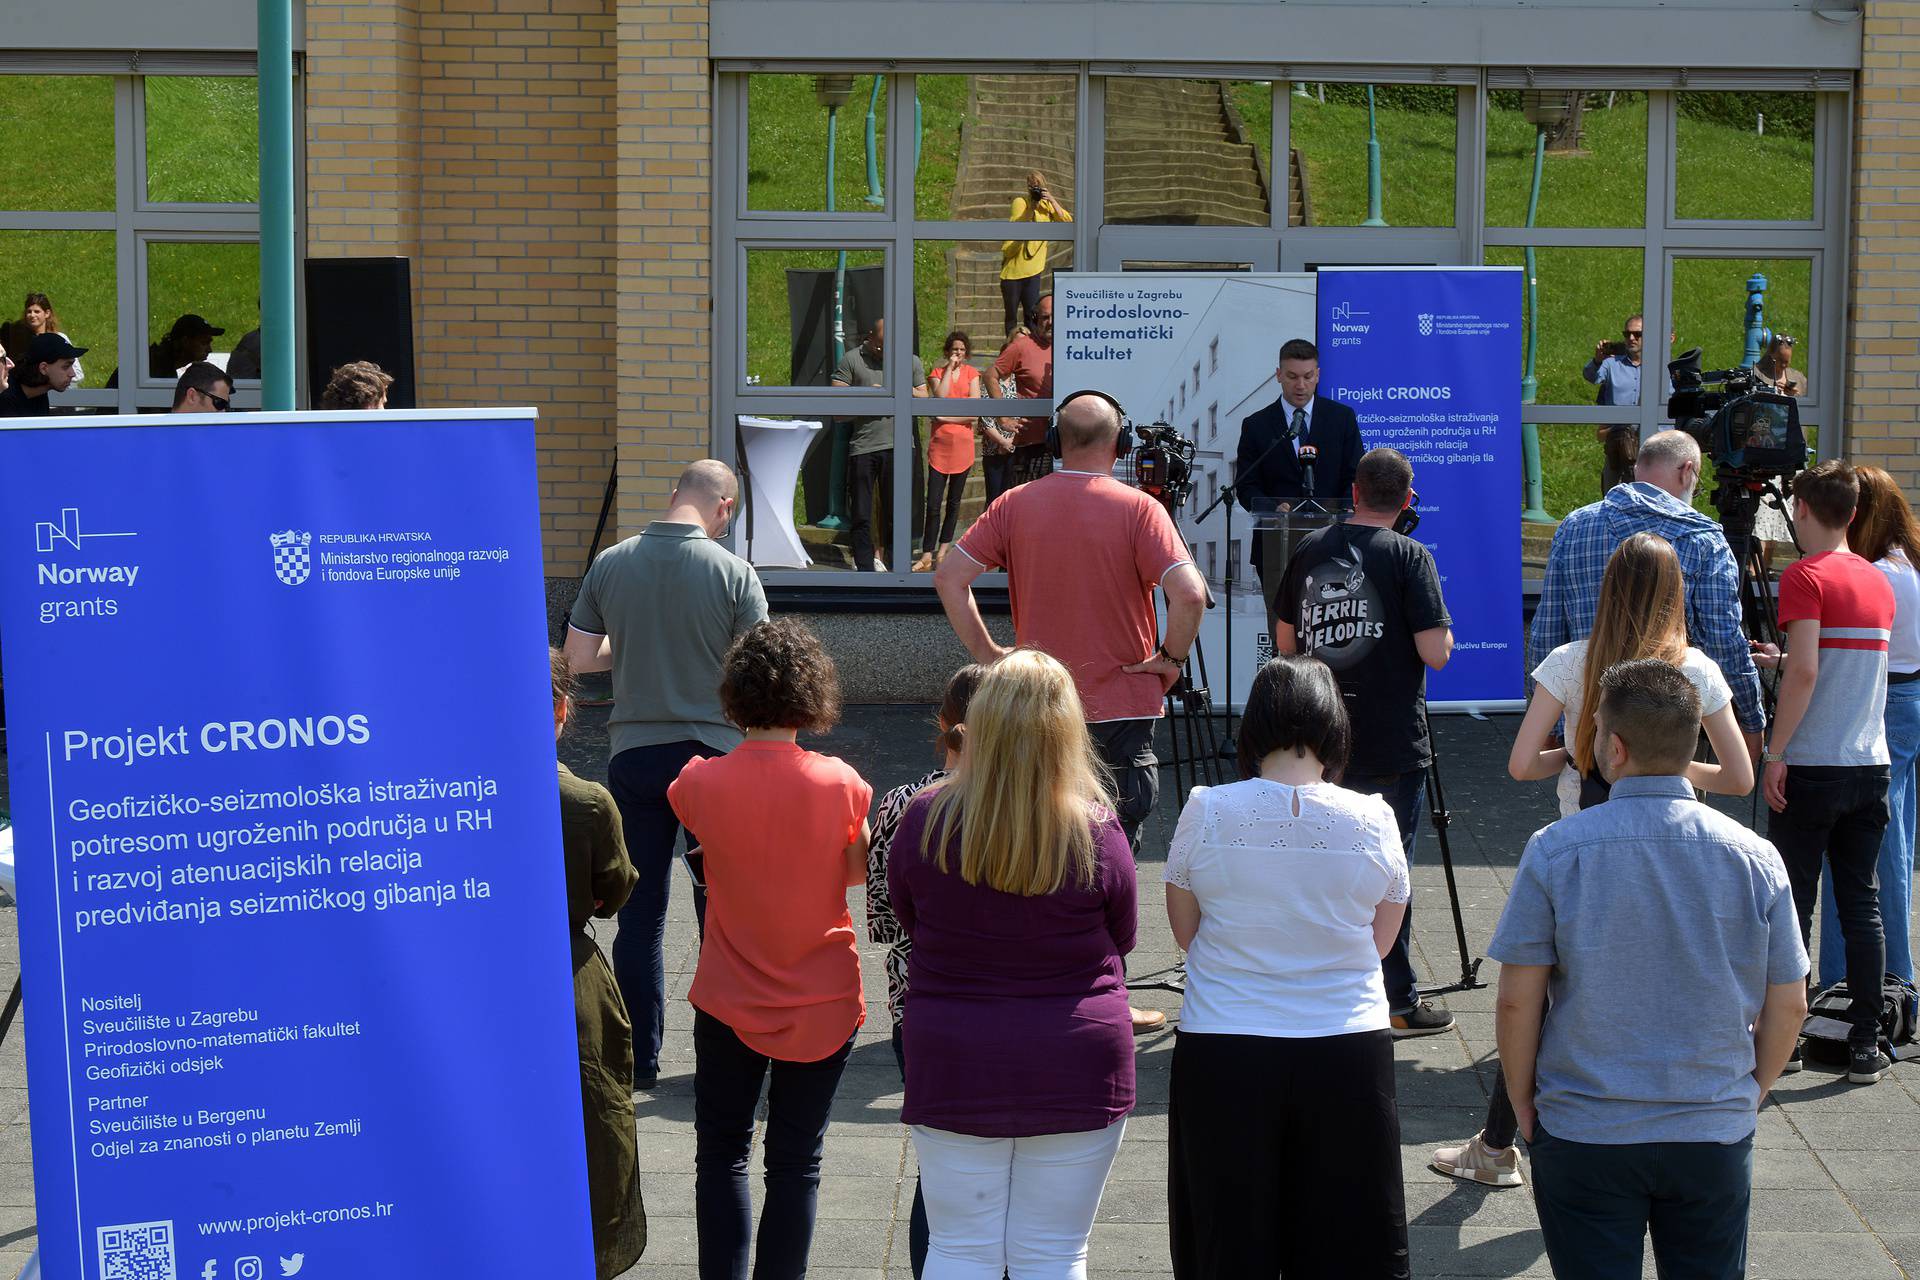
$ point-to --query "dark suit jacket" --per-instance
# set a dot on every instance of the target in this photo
(1333, 430)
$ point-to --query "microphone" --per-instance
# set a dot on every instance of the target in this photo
(1307, 454)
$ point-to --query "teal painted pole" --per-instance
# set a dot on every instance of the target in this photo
(917, 129)
(874, 194)
(277, 325)
(1373, 169)
(837, 459)
(1757, 333)
(1535, 510)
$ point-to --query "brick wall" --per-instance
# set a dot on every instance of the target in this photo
(1883, 349)
(477, 137)
(665, 256)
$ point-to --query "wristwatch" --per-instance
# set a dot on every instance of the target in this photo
(1772, 757)
(1161, 649)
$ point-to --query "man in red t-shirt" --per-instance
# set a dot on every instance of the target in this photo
(1083, 553)
(1028, 361)
(1827, 766)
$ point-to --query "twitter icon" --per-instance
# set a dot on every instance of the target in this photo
(291, 1266)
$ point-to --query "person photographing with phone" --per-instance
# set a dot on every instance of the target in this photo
(1615, 369)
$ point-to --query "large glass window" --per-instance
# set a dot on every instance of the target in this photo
(1335, 129)
(203, 139)
(810, 147)
(1578, 313)
(58, 151)
(984, 137)
(1189, 152)
(1591, 150)
(1725, 306)
(74, 270)
(203, 297)
(1744, 156)
(806, 308)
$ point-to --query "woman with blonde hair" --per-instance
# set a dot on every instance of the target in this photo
(1015, 884)
(1642, 614)
(1885, 532)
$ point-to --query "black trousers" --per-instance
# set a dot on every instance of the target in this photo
(1126, 748)
(1020, 300)
(1598, 1203)
(727, 1076)
(1839, 814)
(951, 487)
(868, 476)
(998, 470)
(638, 779)
(1284, 1159)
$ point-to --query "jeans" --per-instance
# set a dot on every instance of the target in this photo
(952, 486)
(726, 1090)
(1838, 815)
(1596, 1204)
(998, 470)
(1406, 795)
(1020, 300)
(1283, 1158)
(1022, 1206)
(868, 476)
(917, 1234)
(639, 778)
(1895, 868)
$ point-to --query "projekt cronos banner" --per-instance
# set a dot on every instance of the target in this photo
(291, 895)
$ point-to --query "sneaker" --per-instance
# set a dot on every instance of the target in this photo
(1866, 1064)
(1477, 1162)
(1147, 1021)
(1421, 1020)
(1797, 1061)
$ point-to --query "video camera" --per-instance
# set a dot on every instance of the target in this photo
(1162, 464)
(1742, 428)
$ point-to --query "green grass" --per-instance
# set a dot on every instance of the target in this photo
(1416, 162)
(786, 145)
(1724, 169)
(1603, 184)
(202, 146)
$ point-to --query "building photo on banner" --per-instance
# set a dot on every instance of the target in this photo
(238, 880)
(1424, 358)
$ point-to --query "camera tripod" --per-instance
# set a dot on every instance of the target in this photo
(1737, 498)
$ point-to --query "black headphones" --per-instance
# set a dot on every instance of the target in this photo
(1122, 443)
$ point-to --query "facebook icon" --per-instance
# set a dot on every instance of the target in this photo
(211, 1271)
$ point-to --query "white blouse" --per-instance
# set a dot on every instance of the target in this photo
(1288, 880)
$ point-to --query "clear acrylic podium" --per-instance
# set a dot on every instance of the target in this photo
(1278, 531)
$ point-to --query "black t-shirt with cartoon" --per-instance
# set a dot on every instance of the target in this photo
(1356, 596)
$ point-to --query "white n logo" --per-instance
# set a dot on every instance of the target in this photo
(45, 533)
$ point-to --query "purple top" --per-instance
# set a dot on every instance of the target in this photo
(1016, 1018)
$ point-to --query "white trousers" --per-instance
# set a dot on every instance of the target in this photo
(1019, 1206)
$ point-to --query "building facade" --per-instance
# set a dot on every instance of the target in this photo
(649, 219)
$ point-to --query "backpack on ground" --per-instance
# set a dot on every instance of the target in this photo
(1830, 1021)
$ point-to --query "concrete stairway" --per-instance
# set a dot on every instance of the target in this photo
(1178, 153)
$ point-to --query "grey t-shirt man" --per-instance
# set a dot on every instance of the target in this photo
(670, 600)
(1665, 922)
(860, 368)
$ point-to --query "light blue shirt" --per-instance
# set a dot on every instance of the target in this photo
(1619, 381)
(1665, 922)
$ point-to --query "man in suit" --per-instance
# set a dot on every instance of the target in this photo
(1269, 467)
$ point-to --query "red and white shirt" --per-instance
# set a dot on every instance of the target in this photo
(1853, 603)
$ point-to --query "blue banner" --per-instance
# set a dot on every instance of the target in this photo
(1429, 360)
(292, 901)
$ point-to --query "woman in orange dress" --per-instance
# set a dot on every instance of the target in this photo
(950, 451)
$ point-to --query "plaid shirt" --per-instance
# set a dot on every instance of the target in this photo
(1570, 595)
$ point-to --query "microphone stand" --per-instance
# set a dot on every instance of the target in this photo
(1230, 494)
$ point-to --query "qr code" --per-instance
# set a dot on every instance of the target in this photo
(1262, 650)
(137, 1251)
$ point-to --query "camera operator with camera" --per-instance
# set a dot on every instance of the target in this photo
(1083, 553)
(1365, 599)
(1660, 501)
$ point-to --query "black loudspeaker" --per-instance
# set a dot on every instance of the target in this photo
(360, 309)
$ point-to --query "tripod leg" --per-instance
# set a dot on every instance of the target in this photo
(1442, 819)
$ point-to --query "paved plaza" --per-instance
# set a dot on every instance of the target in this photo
(1837, 1181)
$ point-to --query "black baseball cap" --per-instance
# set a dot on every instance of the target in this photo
(191, 323)
(48, 347)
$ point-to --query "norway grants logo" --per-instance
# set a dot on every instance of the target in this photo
(1426, 324)
(291, 562)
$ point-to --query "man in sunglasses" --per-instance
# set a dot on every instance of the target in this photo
(203, 388)
(1615, 369)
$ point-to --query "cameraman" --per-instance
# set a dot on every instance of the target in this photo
(1659, 500)
(1366, 601)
